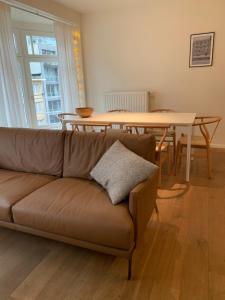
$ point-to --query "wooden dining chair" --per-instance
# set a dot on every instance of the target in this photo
(171, 134)
(207, 126)
(66, 118)
(162, 147)
(88, 126)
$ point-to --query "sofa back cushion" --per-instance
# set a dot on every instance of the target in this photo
(83, 150)
(32, 150)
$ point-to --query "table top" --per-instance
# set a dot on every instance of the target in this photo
(171, 118)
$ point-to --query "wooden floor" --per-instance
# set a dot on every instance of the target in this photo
(182, 255)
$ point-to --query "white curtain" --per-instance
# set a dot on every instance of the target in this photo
(68, 71)
(11, 99)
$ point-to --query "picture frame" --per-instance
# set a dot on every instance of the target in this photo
(201, 49)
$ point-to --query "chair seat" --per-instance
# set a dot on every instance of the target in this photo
(196, 141)
(16, 185)
(79, 209)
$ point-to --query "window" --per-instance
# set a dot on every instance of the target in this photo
(37, 88)
(53, 119)
(54, 105)
(51, 71)
(46, 88)
(52, 89)
(48, 52)
(41, 45)
(38, 57)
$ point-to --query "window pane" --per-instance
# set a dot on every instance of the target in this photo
(46, 92)
(51, 72)
(53, 119)
(41, 45)
(54, 105)
(52, 89)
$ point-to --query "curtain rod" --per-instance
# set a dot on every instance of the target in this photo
(37, 12)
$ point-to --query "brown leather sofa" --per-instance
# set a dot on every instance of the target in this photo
(46, 189)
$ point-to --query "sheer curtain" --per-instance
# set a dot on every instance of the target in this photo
(70, 67)
(11, 99)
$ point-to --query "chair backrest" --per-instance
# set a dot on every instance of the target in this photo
(162, 110)
(203, 122)
(66, 118)
(88, 126)
(117, 110)
(148, 128)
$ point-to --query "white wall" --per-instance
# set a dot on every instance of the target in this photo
(148, 47)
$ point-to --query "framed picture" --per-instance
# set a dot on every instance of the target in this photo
(201, 49)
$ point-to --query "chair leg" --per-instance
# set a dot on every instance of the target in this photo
(209, 162)
(156, 209)
(129, 268)
(64, 127)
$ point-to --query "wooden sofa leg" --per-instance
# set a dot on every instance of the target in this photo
(129, 268)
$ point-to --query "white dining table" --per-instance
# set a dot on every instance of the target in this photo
(144, 118)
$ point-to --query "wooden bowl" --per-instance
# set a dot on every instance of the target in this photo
(84, 112)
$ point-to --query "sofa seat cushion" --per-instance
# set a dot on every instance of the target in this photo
(16, 185)
(78, 209)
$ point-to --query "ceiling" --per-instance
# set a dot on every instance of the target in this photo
(86, 6)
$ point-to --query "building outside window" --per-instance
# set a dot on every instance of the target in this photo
(54, 105)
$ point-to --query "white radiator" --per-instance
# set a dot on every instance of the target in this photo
(136, 101)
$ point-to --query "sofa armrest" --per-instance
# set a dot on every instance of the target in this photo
(142, 201)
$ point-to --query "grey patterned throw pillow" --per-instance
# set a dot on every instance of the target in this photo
(119, 170)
